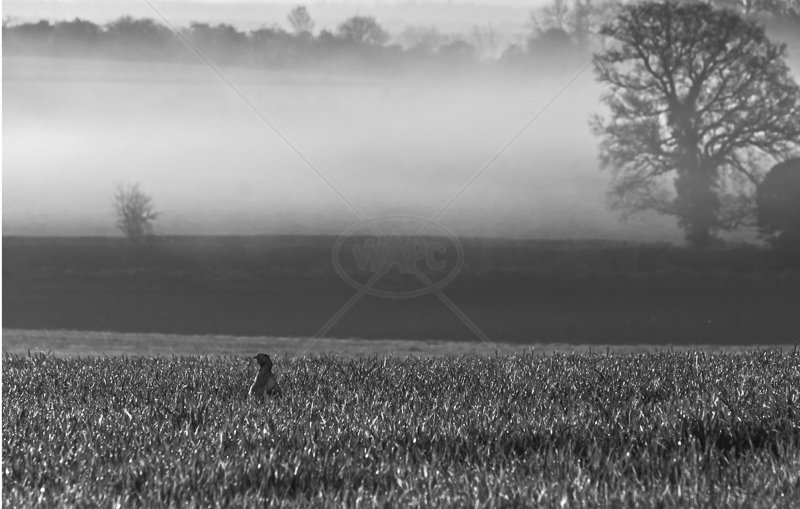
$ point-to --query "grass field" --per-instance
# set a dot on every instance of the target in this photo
(658, 429)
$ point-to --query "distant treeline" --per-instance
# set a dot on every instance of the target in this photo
(561, 33)
(357, 41)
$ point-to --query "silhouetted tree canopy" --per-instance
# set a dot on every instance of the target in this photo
(276, 46)
(301, 22)
(577, 20)
(140, 38)
(222, 42)
(699, 98)
(363, 30)
(552, 44)
(779, 205)
(422, 40)
(77, 34)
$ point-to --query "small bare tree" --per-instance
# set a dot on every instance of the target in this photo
(134, 210)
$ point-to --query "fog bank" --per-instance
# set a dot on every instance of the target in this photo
(389, 145)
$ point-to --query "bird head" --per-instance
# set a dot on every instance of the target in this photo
(263, 360)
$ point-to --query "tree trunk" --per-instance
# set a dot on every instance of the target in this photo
(697, 205)
(696, 202)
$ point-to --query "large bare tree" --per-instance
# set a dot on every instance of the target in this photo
(700, 101)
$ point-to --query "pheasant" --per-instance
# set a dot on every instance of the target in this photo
(265, 380)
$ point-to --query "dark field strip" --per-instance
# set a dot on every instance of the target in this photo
(667, 429)
(524, 292)
(656, 316)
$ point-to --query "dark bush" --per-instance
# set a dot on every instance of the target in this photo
(778, 203)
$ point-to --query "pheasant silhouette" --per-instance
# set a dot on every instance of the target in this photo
(265, 380)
